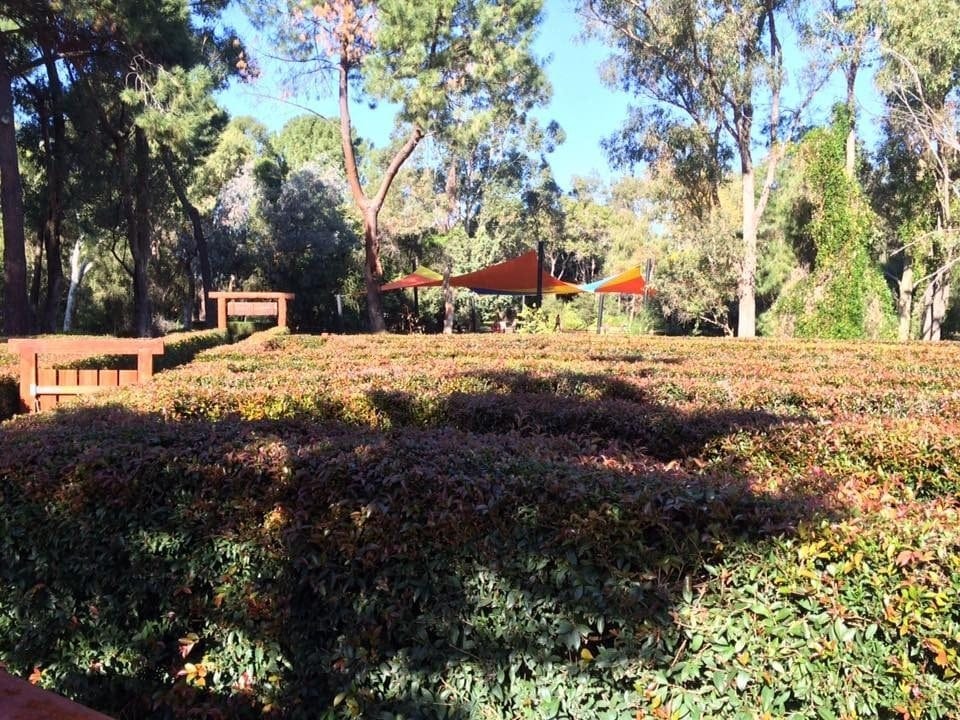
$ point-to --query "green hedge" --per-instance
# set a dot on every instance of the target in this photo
(496, 527)
(9, 383)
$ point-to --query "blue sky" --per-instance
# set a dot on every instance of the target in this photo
(586, 109)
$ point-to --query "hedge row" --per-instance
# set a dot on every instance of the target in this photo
(495, 527)
(9, 382)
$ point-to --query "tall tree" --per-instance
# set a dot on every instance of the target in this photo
(712, 67)
(16, 320)
(180, 115)
(20, 27)
(440, 61)
(919, 72)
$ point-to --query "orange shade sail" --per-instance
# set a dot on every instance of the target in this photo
(514, 277)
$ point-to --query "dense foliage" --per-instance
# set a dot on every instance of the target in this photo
(495, 526)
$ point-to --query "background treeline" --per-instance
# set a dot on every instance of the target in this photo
(128, 193)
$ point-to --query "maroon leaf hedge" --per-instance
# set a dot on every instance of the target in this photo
(495, 527)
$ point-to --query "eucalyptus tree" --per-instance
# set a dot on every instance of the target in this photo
(445, 64)
(920, 73)
(712, 72)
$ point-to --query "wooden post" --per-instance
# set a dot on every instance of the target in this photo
(144, 364)
(221, 313)
(539, 274)
(28, 378)
(281, 311)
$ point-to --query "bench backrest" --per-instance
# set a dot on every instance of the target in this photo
(43, 388)
(257, 304)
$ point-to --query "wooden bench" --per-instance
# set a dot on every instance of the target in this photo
(257, 304)
(43, 388)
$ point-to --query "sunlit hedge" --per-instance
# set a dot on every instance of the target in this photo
(495, 527)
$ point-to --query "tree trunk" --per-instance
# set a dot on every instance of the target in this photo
(451, 189)
(746, 290)
(370, 208)
(191, 300)
(935, 299)
(851, 149)
(54, 224)
(140, 238)
(373, 271)
(200, 241)
(447, 302)
(37, 280)
(16, 314)
(78, 268)
(905, 301)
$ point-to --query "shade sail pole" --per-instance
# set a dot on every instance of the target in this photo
(539, 273)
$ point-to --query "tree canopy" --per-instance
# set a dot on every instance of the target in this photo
(125, 186)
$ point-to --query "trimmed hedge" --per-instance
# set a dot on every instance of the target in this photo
(497, 526)
(9, 382)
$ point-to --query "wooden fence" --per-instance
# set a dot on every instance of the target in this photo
(42, 388)
(251, 304)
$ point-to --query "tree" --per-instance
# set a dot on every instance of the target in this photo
(23, 28)
(179, 114)
(15, 316)
(307, 248)
(918, 71)
(309, 139)
(709, 67)
(439, 60)
(843, 295)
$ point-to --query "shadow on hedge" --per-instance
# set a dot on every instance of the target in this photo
(591, 406)
(306, 570)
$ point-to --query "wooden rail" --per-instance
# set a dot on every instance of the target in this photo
(19, 700)
(260, 304)
(43, 388)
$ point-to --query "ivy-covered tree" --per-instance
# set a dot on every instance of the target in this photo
(844, 295)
